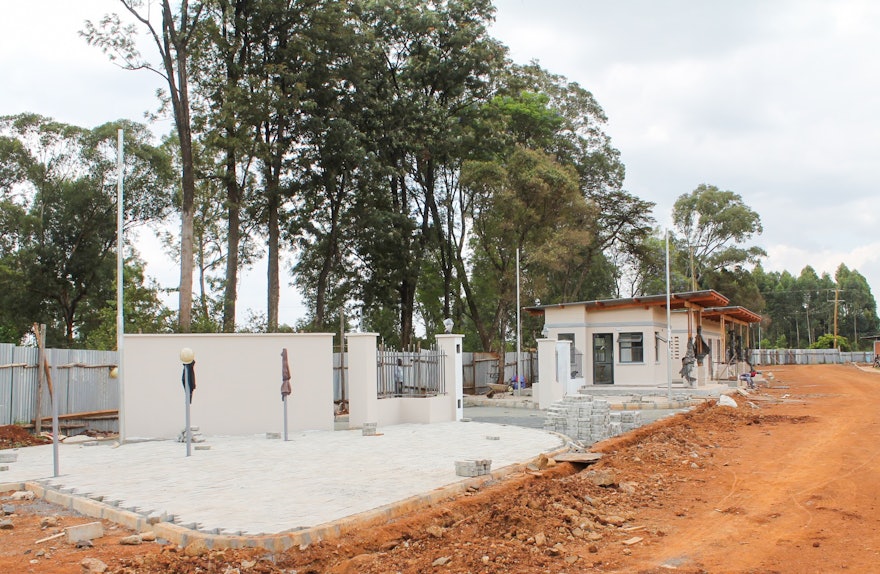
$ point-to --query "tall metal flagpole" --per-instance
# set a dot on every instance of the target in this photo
(668, 326)
(120, 252)
(516, 383)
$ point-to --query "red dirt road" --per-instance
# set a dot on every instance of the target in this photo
(792, 497)
(788, 486)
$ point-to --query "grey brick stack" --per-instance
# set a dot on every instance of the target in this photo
(580, 417)
(473, 467)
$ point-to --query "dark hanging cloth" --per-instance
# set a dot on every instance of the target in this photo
(701, 346)
(189, 375)
(285, 375)
(687, 364)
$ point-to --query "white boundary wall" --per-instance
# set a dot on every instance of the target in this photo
(238, 384)
(366, 407)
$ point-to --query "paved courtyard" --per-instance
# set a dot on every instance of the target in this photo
(256, 485)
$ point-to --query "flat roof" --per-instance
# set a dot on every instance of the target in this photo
(711, 302)
(735, 312)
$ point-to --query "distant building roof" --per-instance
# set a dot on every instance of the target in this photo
(711, 302)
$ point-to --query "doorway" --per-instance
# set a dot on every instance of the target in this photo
(603, 359)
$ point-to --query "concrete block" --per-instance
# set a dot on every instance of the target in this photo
(88, 507)
(8, 457)
(88, 531)
(473, 467)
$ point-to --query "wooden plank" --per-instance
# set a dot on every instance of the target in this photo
(578, 457)
(110, 413)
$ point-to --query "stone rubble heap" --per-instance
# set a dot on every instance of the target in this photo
(589, 420)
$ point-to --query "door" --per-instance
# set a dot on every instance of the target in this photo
(603, 359)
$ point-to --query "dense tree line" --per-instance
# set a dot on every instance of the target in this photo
(393, 153)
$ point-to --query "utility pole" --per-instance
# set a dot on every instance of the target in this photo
(836, 301)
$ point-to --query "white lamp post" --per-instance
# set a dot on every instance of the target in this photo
(187, 357)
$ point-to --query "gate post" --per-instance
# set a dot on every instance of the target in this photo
(363, 390)
(453, 372)
(549, 385)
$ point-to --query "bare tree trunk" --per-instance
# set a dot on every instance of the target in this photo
(233, 239)
(273, 248)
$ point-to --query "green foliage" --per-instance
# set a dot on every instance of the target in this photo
(713, 224)
(398, 157)
(59, 258)
(826, 341)
(143, 311)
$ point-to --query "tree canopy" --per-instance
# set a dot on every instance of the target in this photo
(388, 160)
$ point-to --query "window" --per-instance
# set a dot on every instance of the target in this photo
(631, 348)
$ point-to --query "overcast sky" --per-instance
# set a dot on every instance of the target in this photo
(778, 101)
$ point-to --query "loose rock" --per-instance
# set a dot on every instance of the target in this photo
(93, 566)
(540, 539)
(132, 540)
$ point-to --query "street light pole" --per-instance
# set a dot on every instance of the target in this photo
(668, 325)
(516, 383)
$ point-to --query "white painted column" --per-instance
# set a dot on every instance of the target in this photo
(450, 345)
(363, 379)
(548, 389)
(563, 367)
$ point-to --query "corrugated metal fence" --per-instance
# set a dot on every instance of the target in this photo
(480, 369)
(807, 357)
(81, 380)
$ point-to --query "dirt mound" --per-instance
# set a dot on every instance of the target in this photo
(14, 436)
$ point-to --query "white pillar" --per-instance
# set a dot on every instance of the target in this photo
(549, 388)
(563, 367)
(450, 345)
(363, 379)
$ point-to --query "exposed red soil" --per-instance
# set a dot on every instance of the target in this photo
(789, 485)
(14, 436)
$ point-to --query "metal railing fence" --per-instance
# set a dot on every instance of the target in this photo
(422, 373)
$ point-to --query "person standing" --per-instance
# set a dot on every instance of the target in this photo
(398, 378)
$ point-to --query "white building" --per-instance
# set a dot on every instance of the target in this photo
(622, 342)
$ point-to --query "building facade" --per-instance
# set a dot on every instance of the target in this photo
(624, 341)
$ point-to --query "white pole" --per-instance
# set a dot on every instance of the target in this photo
(518, 327)
(285, 418)
(187, 396)
(668, 325)
(120, 252)
(55, 425)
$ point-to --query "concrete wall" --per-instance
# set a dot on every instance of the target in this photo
(238, 384)
(365, 406)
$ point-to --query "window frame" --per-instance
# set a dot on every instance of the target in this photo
(627, 345)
